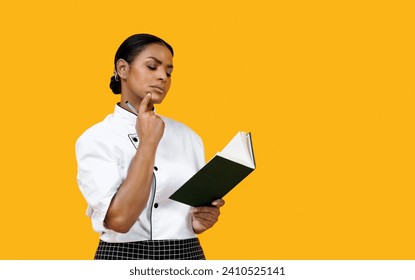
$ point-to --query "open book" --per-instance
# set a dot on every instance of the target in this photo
(221, 174)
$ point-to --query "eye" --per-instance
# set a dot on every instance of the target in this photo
(168, 74)
(151, 67)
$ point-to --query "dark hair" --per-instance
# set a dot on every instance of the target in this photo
(130, 48)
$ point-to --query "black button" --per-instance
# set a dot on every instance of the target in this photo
(135, 139)
(155, 168)
(156, 205)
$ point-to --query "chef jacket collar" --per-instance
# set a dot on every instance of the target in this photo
(125, 114)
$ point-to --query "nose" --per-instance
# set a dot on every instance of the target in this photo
(161, 75)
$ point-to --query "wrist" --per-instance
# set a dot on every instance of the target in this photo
(147, 147)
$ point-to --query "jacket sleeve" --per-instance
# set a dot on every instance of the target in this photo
(99, 177)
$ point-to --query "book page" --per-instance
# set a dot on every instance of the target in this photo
(250, 147)
(238, 150)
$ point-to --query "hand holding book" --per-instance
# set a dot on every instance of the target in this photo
(204, 217)
(221, 174)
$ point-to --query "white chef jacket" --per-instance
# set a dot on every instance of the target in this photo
(104, 153)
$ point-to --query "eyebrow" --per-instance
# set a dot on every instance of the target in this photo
(160, 62)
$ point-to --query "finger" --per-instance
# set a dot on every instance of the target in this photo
(144, 103)
(208, 217)
(206, 211)
(218, 203)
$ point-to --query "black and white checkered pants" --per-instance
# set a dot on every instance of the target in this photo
(185, 249)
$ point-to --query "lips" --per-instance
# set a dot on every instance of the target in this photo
(160, 89)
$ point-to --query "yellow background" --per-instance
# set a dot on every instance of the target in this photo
(325, 87)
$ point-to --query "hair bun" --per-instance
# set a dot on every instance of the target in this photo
(115, 85)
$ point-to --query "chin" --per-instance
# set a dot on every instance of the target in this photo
(157, 99)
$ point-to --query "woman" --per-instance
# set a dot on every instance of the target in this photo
(131, 162)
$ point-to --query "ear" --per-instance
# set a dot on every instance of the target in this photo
(122, 67)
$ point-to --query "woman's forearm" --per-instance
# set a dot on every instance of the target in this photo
(132, 196)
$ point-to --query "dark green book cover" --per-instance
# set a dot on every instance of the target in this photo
(218, 177)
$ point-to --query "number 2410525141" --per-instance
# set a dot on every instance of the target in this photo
(253, 270)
